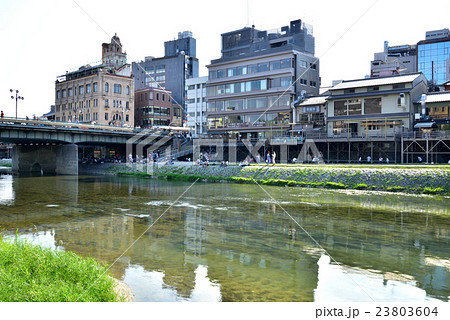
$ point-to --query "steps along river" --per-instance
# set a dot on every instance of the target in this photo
(231, 242)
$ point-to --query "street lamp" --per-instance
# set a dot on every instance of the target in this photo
(17, 98)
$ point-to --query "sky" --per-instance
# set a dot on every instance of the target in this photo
(41, 40)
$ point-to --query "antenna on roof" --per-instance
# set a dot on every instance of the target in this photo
(247, 14)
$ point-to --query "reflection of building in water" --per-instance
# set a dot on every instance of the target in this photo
(6, 190)
(104, 238)
(195, 232)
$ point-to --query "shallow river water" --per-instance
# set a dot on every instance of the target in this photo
(230, 242)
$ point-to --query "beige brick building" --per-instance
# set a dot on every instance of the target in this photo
(102, 94)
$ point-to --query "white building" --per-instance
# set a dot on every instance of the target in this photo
(196, 104)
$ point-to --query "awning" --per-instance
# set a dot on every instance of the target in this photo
(425, 125)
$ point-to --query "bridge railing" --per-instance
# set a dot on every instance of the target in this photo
(85, 126)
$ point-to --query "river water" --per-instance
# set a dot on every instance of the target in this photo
(230, 242)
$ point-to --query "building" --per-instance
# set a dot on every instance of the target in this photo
(101, 94)
(49, 115)
(435, 107)
(434, 56)
(311, 114)
(374, 107)
(394, 60)
(251, 88)
(153, 107)
(196, 105)
(172, 70)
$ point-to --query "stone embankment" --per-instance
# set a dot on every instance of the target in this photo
(407, 179)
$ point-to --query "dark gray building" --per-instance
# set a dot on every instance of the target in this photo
(172, 70)
(252, 87)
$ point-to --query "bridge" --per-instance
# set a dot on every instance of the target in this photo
(53, 146)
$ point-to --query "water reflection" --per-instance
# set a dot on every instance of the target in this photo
(341, 284)
(232, 243)
(6, 190)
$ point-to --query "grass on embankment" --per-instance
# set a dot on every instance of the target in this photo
(32, 273)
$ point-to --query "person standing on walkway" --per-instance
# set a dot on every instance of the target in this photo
(274, 155)
(2, 115)
(268, 158)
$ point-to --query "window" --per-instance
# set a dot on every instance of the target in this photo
(88, 88)
(285, 63)
(117, 88)
(106, 116)
(349, 90)
(149, 69)
(372, 105)
(303, 82)
(151, 95)
(161, 69)
(241, 70)
(160, 78)
(354, 106)
(303, 64)
(58, 94)
(285, 81)
(340, 108)
(398, 86)
(81, 90)
(312, 83)
(64, 93)
(127, 118)
(373, 89)
(274, 65)
(253, 68)
(127, 105)
(95, 86)
(212, 75)
(163, 96)
(220, 74)
(263, 67)
(128, 90)
(191, 87)
(157, 96)
(106, 87)
(106, 104)
(231, 72)
(70, 92)
(313, 66)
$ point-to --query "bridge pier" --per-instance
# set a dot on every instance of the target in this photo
(59, 159)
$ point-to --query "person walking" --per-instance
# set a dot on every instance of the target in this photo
(274, 155)
(2, 115)
(268, 160)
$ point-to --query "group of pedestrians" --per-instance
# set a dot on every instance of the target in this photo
(271, 158)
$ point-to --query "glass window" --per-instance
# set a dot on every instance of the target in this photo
(95, 86)
(70, 92)
(81, 89)
(231, 72)
(274, 65)
(239, 87)
(220, 74)
(241, 70)
(253, 68)
(212, 75)
(372, 105)
(88, 88)
(284, 101)
(354, 106)
(128, 90)
(263, 67)
(285, 81)
(340, 108)
(64, 93)
(106, 87)
(303, 64)
(161, 69)
(117, 88)
(286, 63)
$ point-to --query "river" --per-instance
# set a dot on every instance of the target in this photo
(230, 242)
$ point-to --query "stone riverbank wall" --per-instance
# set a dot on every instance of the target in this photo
(418, 180)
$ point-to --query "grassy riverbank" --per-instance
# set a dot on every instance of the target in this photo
(411, 179)
(32, 273)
